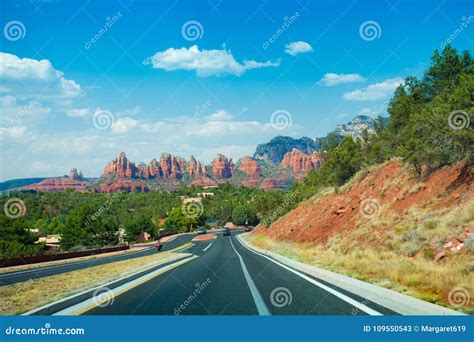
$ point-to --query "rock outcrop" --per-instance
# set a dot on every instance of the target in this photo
(250, 167)
(276, 148)
(222, 168)
(301, 163)
(75, 181)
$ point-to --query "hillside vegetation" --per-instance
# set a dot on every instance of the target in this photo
(397, 207)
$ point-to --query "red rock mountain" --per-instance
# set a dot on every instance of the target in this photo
(74, 181)
(171, 172)
(222, 168)
(301, 163)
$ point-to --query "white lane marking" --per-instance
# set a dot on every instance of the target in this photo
(191, 245)
(345, 298)
(205, 249)
(90, 303)
(38, 269)
(257, 297)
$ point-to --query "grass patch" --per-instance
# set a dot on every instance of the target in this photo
(21, 297)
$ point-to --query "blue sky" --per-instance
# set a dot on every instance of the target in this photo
(200, 77)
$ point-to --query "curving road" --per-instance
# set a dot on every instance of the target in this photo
(40, 272)
(226, 278)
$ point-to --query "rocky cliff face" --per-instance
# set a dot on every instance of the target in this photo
(301, 163)
(250, 167)
(222, 168)
(276, 148)
(75, 181)
(173, 172)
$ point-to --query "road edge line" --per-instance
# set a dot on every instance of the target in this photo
(257, 297)
(380, 295)
(336, 293)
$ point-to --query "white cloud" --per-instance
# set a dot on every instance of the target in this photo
(220, 115)
(124, 125)
(78, 113)
(332, 79)
(375, 91)
(296, 48)
(14, 132)
(34, 78)
(204, 62)
(16, 111)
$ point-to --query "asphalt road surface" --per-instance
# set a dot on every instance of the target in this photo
(40, 272)
(226, 278)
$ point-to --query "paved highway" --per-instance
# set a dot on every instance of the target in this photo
(226, 278)
(40, 272)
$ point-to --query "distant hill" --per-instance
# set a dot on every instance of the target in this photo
(16, 183)
(276, 148)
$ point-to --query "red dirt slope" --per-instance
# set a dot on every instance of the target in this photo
(387, 190)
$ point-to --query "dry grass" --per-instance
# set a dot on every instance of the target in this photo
(21, 297)
(67, 261)
(417, 277)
